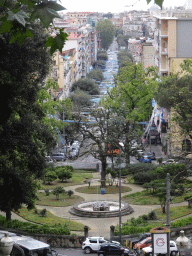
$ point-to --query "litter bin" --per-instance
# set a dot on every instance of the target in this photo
(102, 191)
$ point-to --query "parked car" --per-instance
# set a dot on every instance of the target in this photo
(112, 249)
(144, 243)
(93, 243)
(58, 157)
(151, 155)
(147, 251)
(139, 239)
(145, 159)
(24, 246)
(169, 161)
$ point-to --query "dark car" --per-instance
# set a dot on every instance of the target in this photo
(152, 155)
(112, 249)
(138, 239)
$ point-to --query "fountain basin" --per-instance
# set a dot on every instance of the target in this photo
(88, 209)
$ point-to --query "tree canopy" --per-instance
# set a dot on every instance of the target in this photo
(175, 92)
(96, 74)
(18, 15)
(24, 138)
(131, 102)
(107, 32)
(86, 85)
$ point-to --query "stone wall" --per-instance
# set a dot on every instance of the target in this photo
(62, 241)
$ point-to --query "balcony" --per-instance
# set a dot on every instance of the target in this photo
(164, 51)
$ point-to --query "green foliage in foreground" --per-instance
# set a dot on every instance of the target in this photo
(51, 220)
(34, 228)
(182, 222)
(156, 218)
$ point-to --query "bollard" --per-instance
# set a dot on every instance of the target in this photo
(86, 229)
(112, 229)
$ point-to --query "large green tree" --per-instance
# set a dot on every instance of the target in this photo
(107, 32)
(24, 138)
(176, 92)
(96, 74)
(99, 136)
(131, 101)
(86, 85)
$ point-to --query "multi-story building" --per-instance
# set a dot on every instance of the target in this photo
(172, 40)
(148, 54)
(75, 42)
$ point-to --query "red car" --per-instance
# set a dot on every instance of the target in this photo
(144, 243)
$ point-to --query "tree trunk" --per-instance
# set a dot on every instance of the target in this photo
(8, 215)
(103, 174)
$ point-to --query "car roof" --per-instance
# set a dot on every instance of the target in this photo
(29, 243)
(25, 241)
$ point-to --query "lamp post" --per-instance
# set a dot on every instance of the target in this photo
(120, 196)
(168, 198)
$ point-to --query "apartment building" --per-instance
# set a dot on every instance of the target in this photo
(172, 40)
(148, 54)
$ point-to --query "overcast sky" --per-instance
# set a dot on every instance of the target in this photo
(113, 6)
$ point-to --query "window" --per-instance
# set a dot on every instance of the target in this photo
(93, 241)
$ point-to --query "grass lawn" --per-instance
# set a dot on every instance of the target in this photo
(145, 198)
(50, 219)
(64, 200)
(175, 213)
(97, 189)
(77, 178)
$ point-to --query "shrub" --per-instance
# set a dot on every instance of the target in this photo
(152, 215)
(145, 218)
(47, 192)
(34, 228)
(70, 193)
(43, 213)
(63, 173)
(57, 191)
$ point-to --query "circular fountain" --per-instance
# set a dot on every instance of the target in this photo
(100, 209)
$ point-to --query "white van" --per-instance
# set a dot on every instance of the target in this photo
(27, 246)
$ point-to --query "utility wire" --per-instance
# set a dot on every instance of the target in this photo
(132, 4)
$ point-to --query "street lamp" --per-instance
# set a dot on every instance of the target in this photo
(120, 196)
(168, 198)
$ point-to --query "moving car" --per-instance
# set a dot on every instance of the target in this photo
(93, 243)
(112, 249)
(145, 159)
(147, 251)
(23, 245)
(144, 243)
